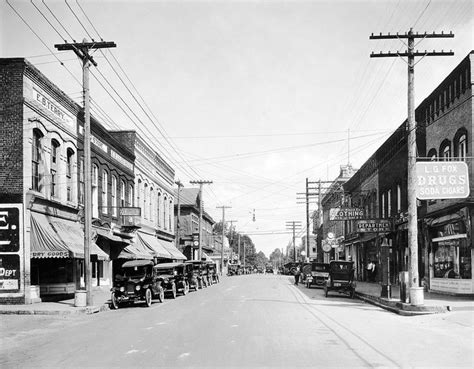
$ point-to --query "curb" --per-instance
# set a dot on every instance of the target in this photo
(83, 310)
(402, 308)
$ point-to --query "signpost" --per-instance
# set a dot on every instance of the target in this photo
(442, 180)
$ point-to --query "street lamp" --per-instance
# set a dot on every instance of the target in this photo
(385, 253)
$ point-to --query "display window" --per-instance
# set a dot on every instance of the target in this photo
(452, 254)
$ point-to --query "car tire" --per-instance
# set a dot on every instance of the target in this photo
(114, 304)
(185, 289)
(173, 291)
(352, 293)
(326, 291)
(148, 297)
(161, 295)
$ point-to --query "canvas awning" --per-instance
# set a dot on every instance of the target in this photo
(135, 251)
(172, 249)
(107, 233)
(151, 242)
(53, 237)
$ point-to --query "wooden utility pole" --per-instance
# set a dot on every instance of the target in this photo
(293, 225)
(82, 51)
(416, 292)
(177, 226)
(223, 234)
(200, 183)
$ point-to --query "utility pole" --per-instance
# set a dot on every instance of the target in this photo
(239, 247)
(294, 224)
(223, 233)
(231, 238)
(416, 292)
(82, 51)
(200, 183)
(178, 182)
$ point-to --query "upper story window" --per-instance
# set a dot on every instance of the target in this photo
(383, 205)
(389, 203)
(139, 188)
(144, 203)
(122, 193)
(445, 150)
(95, 191)
(462, 147)
(69, 180)
(54, 168)
(151, 209)
(399, 198)
(105, 192)
(130, 196)
(165, 213)
(81, 181)
(36, 160)
(114, 196)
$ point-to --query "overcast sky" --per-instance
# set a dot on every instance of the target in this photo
(253, 95)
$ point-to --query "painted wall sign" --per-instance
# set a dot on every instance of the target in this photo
(442, 180)
(346, 213)
(374, 225)
(9, 229)
(9, 273)
(52, 106)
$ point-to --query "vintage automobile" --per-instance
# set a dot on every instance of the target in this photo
(170, 276)
(318, 275)
(198, 279)
(341, 278)
(136, 281)
(212, 272)
(305, 269)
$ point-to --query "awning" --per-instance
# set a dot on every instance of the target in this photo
(135, 251)
(107, 233)
(53, 237)
(172, 249)
(151, 242)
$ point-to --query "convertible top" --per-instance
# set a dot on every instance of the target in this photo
(167, 265)
(135, 263)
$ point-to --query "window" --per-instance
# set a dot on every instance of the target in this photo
(36, 159)
(150, 204)
(389, 203)
(130, 196)
(69, 180)
(95, 191)
(165, 211)
(54, 168)
(122, 194)
(105, 192)
(383, 206)
(399, 198)
(446, 153)
(114, 196)
(462, 148)
(81, 181)
(139, 188)
(144, 204)
(158, 206)
(170, 215)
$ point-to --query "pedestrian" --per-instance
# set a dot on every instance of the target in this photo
(297, 275)
(371, 271)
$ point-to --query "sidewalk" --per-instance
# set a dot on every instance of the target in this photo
(433, 302)
(100, 300)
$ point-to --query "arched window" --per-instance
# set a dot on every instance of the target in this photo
(432, 155)
(114, 196)
(122, 193)
(445, 150)
(105, 192)
(35, 160)
(144, 204)
(165, 213)
(95, 191)
(54, 168)
(151, 210)
(158, 207)
(69, 170)
(399, 198)
(171, 214)
(81, 181)
(130, 196)
(460, 144)
(138, 203)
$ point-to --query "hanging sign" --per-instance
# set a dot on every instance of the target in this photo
(374, 225)
(442, 180)
(346, 213)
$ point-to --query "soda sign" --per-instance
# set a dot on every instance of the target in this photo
(442, 180)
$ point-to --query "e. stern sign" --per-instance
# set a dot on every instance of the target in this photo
(442, 180)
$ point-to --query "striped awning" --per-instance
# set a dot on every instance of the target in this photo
(53, 237)
(172, 249)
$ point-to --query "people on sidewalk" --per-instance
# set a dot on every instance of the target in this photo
(297, 275)
(371, 271)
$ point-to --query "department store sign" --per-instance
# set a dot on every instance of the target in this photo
(9, 229)
(346, 213)
(442, 180)
(374, 226)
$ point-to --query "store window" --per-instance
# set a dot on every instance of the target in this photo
(452, 254)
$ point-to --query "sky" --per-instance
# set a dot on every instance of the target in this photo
(255, 96)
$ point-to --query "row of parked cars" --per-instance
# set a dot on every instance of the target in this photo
(337, 275)
(143, 280)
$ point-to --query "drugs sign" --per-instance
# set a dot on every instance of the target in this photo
(442, 180)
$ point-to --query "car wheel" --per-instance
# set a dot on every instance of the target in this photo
(173, 291)
(185, 289)
(161, 295)
(148, 297)
(114, 302)
(352, 293)
(326, 291)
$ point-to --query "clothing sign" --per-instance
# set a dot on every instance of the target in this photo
(442, 180)
(346, 213)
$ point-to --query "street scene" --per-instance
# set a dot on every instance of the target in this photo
(238, 184)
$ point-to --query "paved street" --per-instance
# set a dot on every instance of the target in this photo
(245, 321)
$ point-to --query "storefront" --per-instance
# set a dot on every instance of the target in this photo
(57, 255)
(450, 253)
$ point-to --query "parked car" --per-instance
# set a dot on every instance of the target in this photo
(341, 278)
(269, 270)
(318, 275)
(199, 275)
(212, 272)
(136, 281)
(172, 276)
